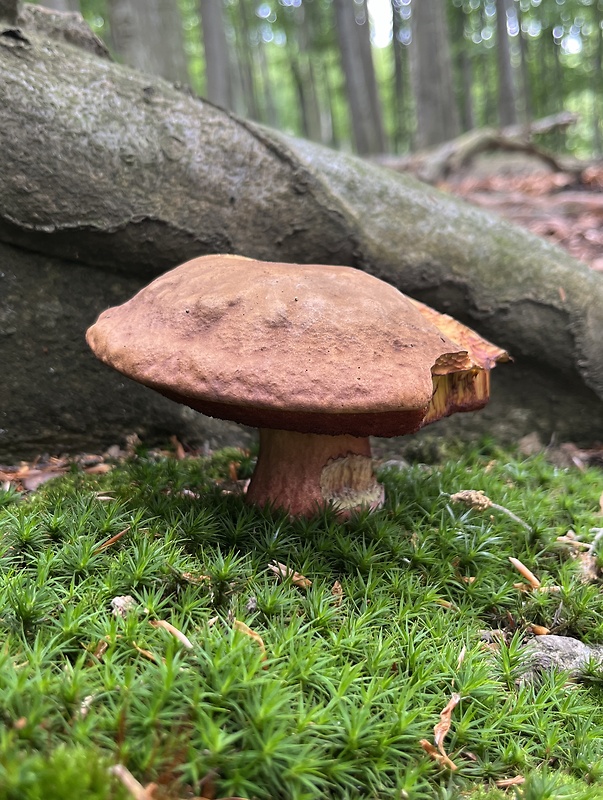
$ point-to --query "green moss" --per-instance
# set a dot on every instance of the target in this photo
(350, 681)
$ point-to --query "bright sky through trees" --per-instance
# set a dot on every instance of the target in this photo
(380, 12)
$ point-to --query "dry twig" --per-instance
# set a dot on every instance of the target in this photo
(480, 502)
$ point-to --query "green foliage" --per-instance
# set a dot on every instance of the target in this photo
(349, 683)
(556, 50)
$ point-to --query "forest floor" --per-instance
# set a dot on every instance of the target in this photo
(557, 206)
(164, 640)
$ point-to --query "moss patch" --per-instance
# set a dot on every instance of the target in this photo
(289, 691)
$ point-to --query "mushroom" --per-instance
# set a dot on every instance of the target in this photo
(318, 358)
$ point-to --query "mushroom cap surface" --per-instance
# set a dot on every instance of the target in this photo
(310, 348)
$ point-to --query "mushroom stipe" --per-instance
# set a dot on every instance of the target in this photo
(319, 358)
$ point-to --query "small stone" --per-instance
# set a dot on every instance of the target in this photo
(122, 605)
(251, 605)
(530, 445)
(562, 653)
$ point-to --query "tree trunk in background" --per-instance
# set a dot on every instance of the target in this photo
(401, 126)
(597, 75)
(361, 90)
(218, 82)
(270, 115)
(558, 137)
(303, 74)
(245, 61)
(330, 131)
(126, 176)
(464, 72)
(308, 104)
(488, 81)
(363, 31)
(62, 5)
(147, 34)
(507, 113)
(526, 83)
(437, 115)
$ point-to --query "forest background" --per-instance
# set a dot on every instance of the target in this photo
(373, 76)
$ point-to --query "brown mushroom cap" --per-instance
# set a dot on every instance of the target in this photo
(307, 348)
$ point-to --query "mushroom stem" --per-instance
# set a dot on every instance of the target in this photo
(303, 472)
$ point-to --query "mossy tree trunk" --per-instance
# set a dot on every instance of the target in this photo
(105, 168)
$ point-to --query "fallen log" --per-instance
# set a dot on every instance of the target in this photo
(448, 159)
(111, 176)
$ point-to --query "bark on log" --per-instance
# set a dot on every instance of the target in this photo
(107, 168)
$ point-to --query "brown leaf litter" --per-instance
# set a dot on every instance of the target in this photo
(437, 751)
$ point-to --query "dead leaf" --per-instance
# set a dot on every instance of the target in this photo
(134, 787)
(32, 479)
(109, 542)
(179, 451)
(162, 623)
(145, 653)
(525, 572)
(133, 441)
(443, 726)
(495, 635)
(98, 469)
(190, 577)
(100, 649)
(431, 751)
(539, 630)
(506, 782)
(283, 571)
(337, 592)
(589, 570)
(571, 540)
(241, 626)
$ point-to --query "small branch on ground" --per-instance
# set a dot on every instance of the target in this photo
(480, 502)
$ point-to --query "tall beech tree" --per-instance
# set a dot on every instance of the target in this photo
(111, 176)
(507, 112)
(218, 78)
(437, 114)
(147, 34)
(361, 87)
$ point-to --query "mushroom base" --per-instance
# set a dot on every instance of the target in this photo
(304, 472)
